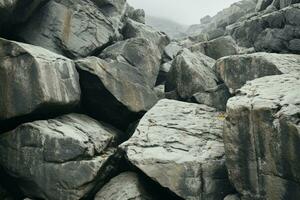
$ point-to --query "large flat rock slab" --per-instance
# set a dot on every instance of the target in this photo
(262, 138)
(179, 145)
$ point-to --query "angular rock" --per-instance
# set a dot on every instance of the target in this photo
(172, 49)
(215, 97)
(261, 138)
(138, 52)
(271, 32)
(62, 158)
(217, 48)
(232, 197)
(135, 29)
(137, 15)
(162, 75)
(72, 28)
(179, 145)
(126, 186)
(160, 91)
(35, 80)
(114, 92)
(191, 73)
(235, 71)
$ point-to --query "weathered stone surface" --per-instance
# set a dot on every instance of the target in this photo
(135, 29)
(191, 73)
(35, 80)
(16, 11)
(180, 146)
(217, 48)
(72, 28)
(270, 32)
(162, 75)
(215, 97)
(126, 186)
(137, 15)
(172, 49)
(235, 71)
(261, 138)
(232, 197)
(61, 158)
(138, 52)
(160, 91)
(114, 92)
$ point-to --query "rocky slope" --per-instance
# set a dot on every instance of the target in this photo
(96, 104)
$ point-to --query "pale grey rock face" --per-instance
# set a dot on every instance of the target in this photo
(114, 92)
(215, 97)
(16, 11)
(272, 32)
(126, 186)
(232, 197)
(191, 73)
(261, 138)
(179, 145)
(138, 52)
(58, 158)
(217, 48)
(35, 80)
(235, 71)
(172, 50)
(75, 29)
(137, 15)
(135, 29)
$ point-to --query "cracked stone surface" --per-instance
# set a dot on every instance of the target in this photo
(134, 29)
(59, 158)
(114, 92)
(191, 73)
(34, 79)
(236, 70)
(180, 146)
(126, 186)
(138, 52)
(74, 29)
(262, 138)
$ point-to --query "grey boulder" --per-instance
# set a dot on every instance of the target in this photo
(138, 52)
(35, 80)
(180, 146)
(271, 32)
(235, 71)
(135, 29)
(191, 73)
(217, 48)
(215, 97)
(114, 92)
(172, 50)
(62, 158)
(126, 186)
(72, 28)
(261, 138)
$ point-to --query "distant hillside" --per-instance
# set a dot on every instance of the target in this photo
(173, 29)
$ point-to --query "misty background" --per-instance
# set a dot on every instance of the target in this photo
(185, 12)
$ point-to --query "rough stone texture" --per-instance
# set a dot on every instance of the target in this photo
(16, 11)
(172, 49)
(60, 158)
(35, 80)
(114, 92)
(217, 48)
(163, 71)
(274, 4)
(215, 97)
(232, 197)
(272, 32)
(137, 15)
(72, 28)
(135, 29)
(180, 146)
(191, 73)
(235, 71)
(126, 186)
(138, 52)
(262, 140)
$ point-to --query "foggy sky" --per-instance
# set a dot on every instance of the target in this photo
(182, 11)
